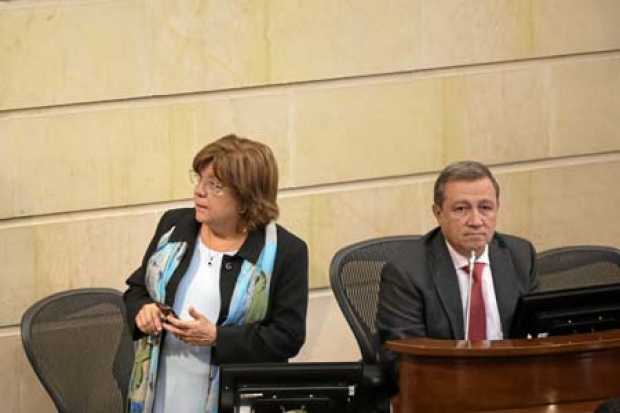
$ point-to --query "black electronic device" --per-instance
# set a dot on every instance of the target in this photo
(570, 311)
(282, 387)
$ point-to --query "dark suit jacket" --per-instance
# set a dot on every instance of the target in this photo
(280, 335)
(420, 297)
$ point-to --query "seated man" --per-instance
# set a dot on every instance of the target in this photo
(424, 290)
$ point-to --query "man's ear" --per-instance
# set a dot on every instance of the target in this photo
(436, 211)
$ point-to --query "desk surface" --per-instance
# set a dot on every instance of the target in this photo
(506, 348)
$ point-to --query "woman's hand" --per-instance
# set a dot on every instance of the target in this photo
(148, 319)
(199, 332)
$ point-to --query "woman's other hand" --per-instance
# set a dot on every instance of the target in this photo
(148, 319)
(199, 332)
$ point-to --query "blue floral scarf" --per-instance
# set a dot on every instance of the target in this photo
(248, 304)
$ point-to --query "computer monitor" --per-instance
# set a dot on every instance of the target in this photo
(281, 387)
(571, 311)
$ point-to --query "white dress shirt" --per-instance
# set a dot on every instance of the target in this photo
(493, 322)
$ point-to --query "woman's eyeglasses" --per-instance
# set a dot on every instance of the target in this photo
(208, 185)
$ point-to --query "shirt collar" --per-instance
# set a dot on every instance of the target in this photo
(459, 261)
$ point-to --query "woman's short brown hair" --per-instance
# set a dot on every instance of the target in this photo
(250, 170)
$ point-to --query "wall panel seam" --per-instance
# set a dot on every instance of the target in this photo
(275, 88)
(160, 207)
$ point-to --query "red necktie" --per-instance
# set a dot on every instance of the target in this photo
(477, 313)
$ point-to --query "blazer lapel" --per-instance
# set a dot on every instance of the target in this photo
(504, 282)
(186, 231)
(446, 285)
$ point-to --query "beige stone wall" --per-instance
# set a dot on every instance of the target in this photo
(104, 102)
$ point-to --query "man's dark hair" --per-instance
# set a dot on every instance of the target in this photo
(461, 171)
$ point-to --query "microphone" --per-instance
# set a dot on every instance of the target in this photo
(472, 259)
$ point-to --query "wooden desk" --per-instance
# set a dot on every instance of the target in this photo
(564, 374)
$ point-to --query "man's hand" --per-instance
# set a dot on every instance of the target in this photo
(199, 332)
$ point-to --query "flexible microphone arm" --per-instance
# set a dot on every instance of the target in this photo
(472, 259)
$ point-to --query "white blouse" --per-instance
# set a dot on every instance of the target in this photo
(184, 369)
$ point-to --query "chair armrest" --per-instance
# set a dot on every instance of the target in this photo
(372, 376)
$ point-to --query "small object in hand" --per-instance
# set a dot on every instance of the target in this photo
(166, 311)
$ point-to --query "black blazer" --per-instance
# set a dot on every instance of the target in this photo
(419, 294)
(276, 338)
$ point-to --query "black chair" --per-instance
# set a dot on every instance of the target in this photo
(79, 346)
(577, 266)
(355, 275)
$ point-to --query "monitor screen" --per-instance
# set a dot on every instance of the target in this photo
(283, 387)
(571, 311)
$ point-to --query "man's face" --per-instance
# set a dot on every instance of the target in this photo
(468, 214)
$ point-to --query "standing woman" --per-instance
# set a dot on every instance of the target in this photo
(219, 283)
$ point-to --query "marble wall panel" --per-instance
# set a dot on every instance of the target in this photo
(328, 336)
(20, 388)
(496, 116)
(365, 132)
(561, 206)
(331, 39)
(61, 52)
(113, 49)
(585, 105)
(9, 390)
(330, 221)
(575, 26)
(39, 260)
(576, 205)
(458, 33)
(118, 156)
(200, 45)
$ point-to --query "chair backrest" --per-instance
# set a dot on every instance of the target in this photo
(355, 275)
(578, 266)
(79, 346)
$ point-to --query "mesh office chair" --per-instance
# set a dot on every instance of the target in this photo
(355, 275)
(79, 346)
(577, 266)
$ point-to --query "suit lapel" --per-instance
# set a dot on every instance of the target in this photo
(446, 284)
(504, 282)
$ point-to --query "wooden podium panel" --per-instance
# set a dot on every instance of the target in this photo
(568, 374)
